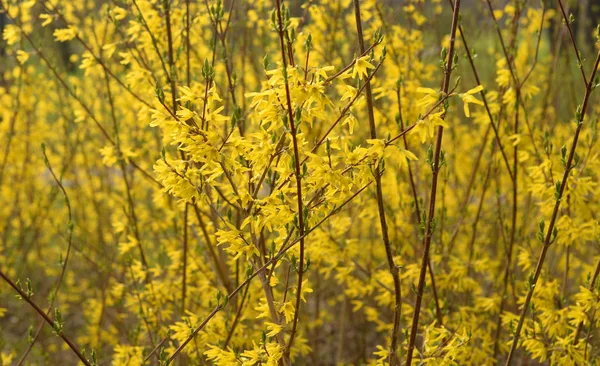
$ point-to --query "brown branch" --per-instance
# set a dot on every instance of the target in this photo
(65, 261)
(46, 317)
(271, 262)
(298, 176)
(434, 179)
(549, 235)
(393, 359)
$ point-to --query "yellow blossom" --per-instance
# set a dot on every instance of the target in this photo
(11, 34)
(426, 127)
(47, 19)
(361, 67)
(273, 328)
(22, 56)
(65, 34)
(468, 97)
(119, 13)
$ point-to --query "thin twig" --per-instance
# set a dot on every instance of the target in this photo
(434, 179)
(392, 359)
(549, 235)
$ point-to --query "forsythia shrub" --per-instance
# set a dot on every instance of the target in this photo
(318, 182)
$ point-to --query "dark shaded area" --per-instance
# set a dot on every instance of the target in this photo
(586, 16)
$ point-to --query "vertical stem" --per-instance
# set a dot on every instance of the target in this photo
(590, 287)
(173, 76)
(434, 179)
(185, 253)
(187, 42)
(512, 231)
(438, 310)
(298, 175)
(393, 359)
(46, 317)
(548, 240)
(170, 55)
(64, 263)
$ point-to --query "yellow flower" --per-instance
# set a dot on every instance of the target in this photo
(6, 357)
(108, 155)
(516, 138)
(126, 247)
(348, 92)
(361, 67)
(251, 357)
(125, 58)
(22, 56)
(110, 49)
(404, 156)
(351, 122)
(11, 34)
(273, 328)
(382, 353)
(65, 34)
(119, 13)
(426, 128)
(288, 311)
(87, 61)
(430, 98)
(469, 98)
(47, 19)
(213, 353)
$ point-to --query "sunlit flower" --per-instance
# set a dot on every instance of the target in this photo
(469, 98)
(361, 67)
